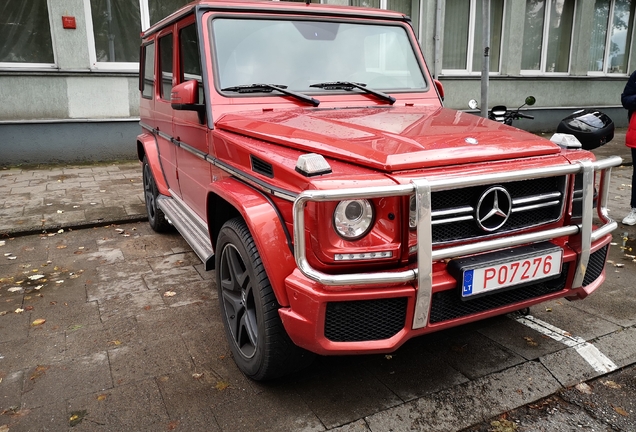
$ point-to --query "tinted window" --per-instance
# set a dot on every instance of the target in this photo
(149, 71)
(165, 52)
(190, 62)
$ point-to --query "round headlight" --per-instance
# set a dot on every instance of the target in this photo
(352, 219)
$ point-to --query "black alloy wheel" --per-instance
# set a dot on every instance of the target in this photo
(261, 348)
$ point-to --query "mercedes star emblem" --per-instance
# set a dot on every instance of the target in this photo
(493, 209)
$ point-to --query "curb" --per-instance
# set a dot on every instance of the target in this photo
(21, 232)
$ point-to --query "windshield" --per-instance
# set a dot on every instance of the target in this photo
(297, 54)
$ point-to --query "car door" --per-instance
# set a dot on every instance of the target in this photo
(190, 128)
(163, 109)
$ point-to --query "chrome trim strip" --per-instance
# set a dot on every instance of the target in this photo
(252, 181)
(586, 222)
(451, 220)
(452, 211)
(426, 256)
(424, 253)
(535, 198)
(535, 206)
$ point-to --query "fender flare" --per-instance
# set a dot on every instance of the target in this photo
(147, 146)
(265, 225)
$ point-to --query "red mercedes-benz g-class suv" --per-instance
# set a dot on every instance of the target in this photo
(304, 153)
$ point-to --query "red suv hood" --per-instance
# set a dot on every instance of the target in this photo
(390, 138)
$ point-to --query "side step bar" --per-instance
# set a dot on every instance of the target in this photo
(190, 226)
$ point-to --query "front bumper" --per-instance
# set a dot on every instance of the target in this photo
(419, 301)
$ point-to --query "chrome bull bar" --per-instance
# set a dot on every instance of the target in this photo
(422, 188)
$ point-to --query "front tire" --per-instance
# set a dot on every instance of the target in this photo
(261, 348)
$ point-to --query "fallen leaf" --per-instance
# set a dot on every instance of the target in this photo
(197, 375)
(621, 411)
(12, 258)
(28, 308)
(388, 356)
(3, 313)
(74, 327)
(76, 418)
(39, 287)
(169, 294)
(38, 322)
(59, 282)
(4, 428)
(147, 307)
(60, 231)
(174, 423)
(19, 311)
(15, 289)
(36, 277)
(114, 342)
(611, 384)
(62, 246)
(102, 397)
(38, 372)
(548, 309)
(530, 341)
(583, 388)
(221, 385)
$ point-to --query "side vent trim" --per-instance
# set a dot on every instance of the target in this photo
(262, 167)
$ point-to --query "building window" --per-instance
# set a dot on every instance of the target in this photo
(547, 34)
(25, 32)
(463, 29)
(117, 25)
(611, 36)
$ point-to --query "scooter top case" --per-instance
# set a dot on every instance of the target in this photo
(592, 128)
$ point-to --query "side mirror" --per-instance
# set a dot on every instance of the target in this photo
(185, 95)
(472, 104)
(530, 100)
(440, 88)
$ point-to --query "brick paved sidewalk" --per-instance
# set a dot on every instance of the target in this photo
(44, 199)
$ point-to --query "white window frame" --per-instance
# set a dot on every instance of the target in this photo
(544, 50)
(144, 15)
(469, 71)
(608, 41)
(36, 66)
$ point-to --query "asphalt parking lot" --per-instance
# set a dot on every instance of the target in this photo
(117, 328)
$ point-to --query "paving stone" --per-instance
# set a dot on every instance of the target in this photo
(619, 346)
(82, 375)
(29, 352)
(353, 392)
(469, 403)
(130, 304)
(239, 415)
(133, 407)
(50, 417)
(150, 358)
(11, 388)
(520, 339)
(409, 379)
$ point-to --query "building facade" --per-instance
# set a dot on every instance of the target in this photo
(69, 68)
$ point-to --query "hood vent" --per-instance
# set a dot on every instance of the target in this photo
(262, 167)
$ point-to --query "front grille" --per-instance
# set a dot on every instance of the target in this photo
(595, 266)
(365, 320)
(447, 305)
(534, 202)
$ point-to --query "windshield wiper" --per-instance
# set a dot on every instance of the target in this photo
(348, 85)
(254, 88)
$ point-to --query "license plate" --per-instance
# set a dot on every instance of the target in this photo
(504, 272)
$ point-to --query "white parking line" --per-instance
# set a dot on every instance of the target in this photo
(589, 352)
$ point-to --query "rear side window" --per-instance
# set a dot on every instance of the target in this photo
(189, 57)
(165, 52)
(149, 70)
